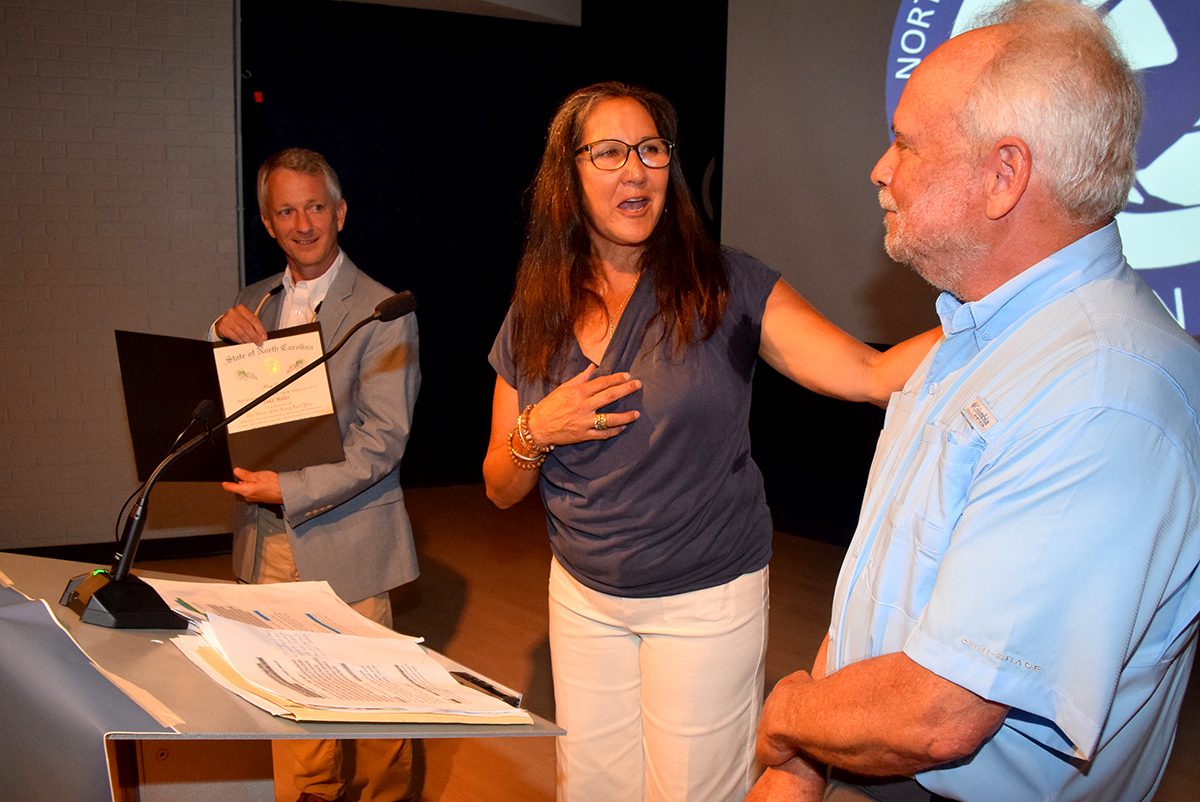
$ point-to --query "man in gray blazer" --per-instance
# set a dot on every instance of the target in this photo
(343, 522)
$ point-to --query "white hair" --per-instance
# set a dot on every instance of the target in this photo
(1061, 84)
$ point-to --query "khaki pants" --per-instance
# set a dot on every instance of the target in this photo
(849, 788)
(381, 767)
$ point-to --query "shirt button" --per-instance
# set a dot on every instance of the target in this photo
(933, 388)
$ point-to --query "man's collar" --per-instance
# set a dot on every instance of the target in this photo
(323, 281)
(1084, 259)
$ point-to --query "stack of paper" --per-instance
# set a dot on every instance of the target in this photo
(298, 651)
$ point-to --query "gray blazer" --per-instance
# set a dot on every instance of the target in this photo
(346, 520)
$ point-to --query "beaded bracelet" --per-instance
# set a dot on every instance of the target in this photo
(525, 437)
(520, 460)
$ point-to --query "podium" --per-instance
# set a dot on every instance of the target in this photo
(72, 734)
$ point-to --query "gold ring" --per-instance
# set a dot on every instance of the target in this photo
(601, 422)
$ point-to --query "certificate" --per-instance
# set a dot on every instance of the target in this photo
(245, 371)
(292, 429)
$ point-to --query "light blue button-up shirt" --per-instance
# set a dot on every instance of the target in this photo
(1031, 528)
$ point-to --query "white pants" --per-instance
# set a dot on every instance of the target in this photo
(660, 697)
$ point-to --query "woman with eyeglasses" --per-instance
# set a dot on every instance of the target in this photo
(623, 384)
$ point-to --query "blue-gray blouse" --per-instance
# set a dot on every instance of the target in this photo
(674, 503)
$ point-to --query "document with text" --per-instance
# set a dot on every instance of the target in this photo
(297, 426)
(309, 606)
(297, 650)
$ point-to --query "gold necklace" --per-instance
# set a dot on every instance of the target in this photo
(612, 320)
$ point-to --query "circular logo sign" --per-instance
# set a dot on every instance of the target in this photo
(1160, 225)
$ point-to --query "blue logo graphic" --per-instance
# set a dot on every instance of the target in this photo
(1161, 222)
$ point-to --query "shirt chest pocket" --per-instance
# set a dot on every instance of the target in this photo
(922, 515)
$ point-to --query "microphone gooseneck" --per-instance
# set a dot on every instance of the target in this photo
(115, 598)
(394, 307)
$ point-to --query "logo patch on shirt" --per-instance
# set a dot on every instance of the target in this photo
(979, 416)
(1000, 656)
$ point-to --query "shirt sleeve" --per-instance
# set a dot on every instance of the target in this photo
(501, 357)
(750, 283)
(1068, 544)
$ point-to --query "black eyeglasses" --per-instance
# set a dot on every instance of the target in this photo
(611, 154)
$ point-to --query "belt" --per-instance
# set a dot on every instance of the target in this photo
(274, 509)
(885, 789)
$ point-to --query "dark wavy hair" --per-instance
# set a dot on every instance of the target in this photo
(552, 292)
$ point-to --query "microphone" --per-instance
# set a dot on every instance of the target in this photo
(397, 306)
(204, 410)
(118, 599)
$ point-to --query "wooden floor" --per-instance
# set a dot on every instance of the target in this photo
(481, 599)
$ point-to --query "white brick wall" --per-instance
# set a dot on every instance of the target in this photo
(117, 211)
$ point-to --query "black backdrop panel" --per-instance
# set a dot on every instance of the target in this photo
(435, 123)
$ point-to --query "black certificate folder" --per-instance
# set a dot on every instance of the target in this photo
(165, 379)
(291, 437)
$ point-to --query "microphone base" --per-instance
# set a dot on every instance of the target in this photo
(127, 603)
